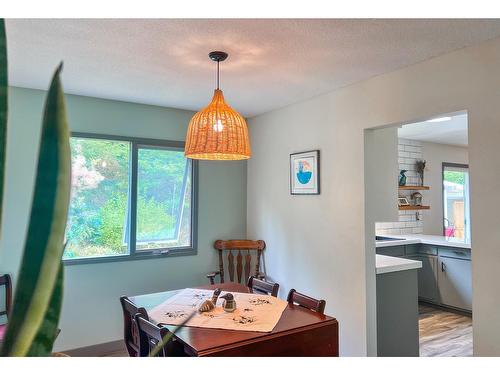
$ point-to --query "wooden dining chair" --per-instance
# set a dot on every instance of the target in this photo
(245, 249)
(150, 335)
(130, 330)
(263, 287)
(306, 301)
(5, 282)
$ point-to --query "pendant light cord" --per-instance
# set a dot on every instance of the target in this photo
(217, 75)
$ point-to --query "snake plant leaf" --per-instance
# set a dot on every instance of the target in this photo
(43, 249)
(3, 109)
(46, 335)
(156, 350)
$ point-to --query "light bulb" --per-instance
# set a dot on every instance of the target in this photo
(218, 126)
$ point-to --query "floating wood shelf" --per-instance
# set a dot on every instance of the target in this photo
(413, 187)
(406, 208)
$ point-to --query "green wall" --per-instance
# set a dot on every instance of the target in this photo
(91, 311)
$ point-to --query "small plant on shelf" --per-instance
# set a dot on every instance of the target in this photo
(420, 167)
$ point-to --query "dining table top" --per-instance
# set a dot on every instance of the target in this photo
(204, 341)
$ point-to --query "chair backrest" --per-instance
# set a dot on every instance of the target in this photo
(249, 248)
(6, 282)
(263, 287)
(306, 301)
(130, 330)
(150, 336)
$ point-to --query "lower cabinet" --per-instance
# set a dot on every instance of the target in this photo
(392, 251)
(445, 277)
(397, 314)
(427, 277)
(455, 282)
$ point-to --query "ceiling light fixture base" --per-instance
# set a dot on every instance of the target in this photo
(218, 56)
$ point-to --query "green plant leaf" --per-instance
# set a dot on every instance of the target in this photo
(4, 87)
(44, 243)
(169, 336)
(44, 339)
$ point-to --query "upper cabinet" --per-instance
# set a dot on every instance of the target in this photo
(381, 173)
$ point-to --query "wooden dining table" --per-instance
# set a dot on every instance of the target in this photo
(299, 332)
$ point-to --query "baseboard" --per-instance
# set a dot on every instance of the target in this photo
(447, 308)
(98, 350)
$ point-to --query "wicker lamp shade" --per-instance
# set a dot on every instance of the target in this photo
(217, 132)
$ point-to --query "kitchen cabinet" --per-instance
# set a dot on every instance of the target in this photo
(397, 314)
(455, 282)
(427, 278)
(446, 275)
(392, 251)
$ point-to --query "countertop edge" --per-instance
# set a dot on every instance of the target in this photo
(426, 241)
(387, 264)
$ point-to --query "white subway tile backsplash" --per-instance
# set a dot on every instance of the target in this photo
(403, 141)
(413, 149)
(409, 151)
(384, 226)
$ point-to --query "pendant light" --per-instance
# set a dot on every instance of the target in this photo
(217, 132)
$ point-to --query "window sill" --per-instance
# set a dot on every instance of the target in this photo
(160, 253)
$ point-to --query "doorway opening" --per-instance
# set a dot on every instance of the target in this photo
(422, 215)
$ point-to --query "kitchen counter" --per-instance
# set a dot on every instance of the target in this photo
(397, 306)
(386, 264)
(408, 239)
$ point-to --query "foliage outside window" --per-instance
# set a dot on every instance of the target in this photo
(129, 198)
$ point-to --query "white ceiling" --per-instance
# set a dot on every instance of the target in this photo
(272, 63)
(452, 132)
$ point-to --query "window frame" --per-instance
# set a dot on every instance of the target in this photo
(137, 143)
(467, 228)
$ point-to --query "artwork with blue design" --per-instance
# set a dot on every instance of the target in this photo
(304, 173)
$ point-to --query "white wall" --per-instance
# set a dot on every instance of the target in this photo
(316, 244)
(435, 154)
(91, 312)
(381, 173)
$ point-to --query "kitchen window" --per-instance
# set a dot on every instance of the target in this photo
(456, 207)
(130, 198)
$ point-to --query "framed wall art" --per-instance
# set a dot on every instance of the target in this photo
(304, 173)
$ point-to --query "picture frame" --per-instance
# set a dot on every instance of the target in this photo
(403, 201)
(305, 173)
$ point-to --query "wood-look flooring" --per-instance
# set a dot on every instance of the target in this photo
(118, 353)
(444, 333)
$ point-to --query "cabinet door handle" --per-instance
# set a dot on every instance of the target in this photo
(443, 268)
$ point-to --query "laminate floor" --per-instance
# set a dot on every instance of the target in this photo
(444, 333)
(118, 353)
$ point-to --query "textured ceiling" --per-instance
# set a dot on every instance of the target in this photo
(452, 132)
(272, 63)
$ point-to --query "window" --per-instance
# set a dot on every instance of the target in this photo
(130, 198)
(456, 200)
